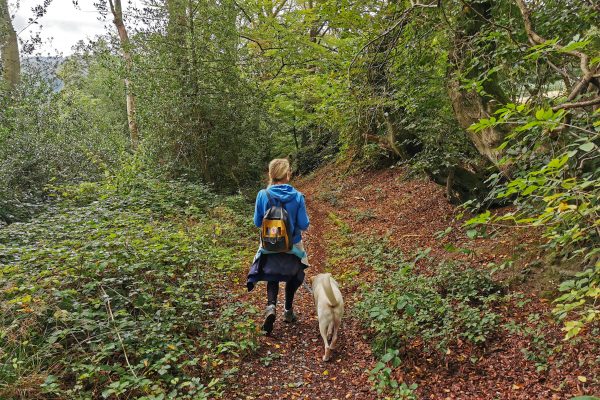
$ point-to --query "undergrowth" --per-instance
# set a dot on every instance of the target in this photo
(113, 294)
(405, 310)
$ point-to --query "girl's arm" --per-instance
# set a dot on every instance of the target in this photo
(302, 220)
(259, 209)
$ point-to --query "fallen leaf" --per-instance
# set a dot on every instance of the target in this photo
(582, 378)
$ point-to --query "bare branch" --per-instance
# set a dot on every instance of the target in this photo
(578, 104)
(253, 41)
(562, 72)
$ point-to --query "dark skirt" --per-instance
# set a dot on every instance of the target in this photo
(280, 267)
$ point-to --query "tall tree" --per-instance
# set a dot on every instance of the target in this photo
(9, 47)
(117, 12)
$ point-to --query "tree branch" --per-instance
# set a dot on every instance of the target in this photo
(578, 104)
(584, 59)
(253, 41)
(563, 73)
(235, 3)
(400, 23)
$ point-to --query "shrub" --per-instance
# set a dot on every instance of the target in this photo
(554, 185)
(403, 308)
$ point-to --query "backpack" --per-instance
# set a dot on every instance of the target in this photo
(275, 235)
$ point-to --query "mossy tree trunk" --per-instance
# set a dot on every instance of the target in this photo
(117, 12)
(470, 105)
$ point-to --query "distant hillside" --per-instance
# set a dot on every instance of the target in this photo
(45, 67)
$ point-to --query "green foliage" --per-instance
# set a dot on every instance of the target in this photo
(222, 87)
(578, 298)
(455, 303)
(541, 348)
(330, 83)
(47, 137)
(584, 398)
(199, 112)
(555, 186)
(384, 381)
(549, 153)
(118, 295)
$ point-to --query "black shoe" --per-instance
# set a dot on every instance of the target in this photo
(269, 318)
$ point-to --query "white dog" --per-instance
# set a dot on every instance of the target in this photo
(330, 308)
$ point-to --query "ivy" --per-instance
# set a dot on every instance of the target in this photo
(116, 295)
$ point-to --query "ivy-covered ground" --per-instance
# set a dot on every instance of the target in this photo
(117, 292)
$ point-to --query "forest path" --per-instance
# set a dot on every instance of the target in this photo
(288, 364)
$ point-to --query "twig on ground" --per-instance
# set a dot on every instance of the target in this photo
(112, 318)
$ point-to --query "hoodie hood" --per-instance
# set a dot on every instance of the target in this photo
(285, 193)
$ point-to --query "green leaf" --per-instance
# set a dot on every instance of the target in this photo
(387, 357)
(585, 398)
(575, 46)
(572, 328)
(587, 147)
(539, 114)
(529, 190)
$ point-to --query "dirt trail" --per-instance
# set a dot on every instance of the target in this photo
(288, 364)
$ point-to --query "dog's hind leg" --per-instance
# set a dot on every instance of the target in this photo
(323, 328)
(334, 337)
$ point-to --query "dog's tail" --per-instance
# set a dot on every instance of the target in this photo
(329, 292)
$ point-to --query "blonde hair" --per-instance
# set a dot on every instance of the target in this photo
(279, 169)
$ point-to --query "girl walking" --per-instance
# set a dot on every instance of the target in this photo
(287, 266)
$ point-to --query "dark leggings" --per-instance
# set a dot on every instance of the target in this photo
(290, 291)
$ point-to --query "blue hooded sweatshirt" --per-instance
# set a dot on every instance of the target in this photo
(293, 202)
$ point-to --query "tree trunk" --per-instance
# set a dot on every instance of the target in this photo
(470, 106)
(117, 11)
(462, 183)
(177, 30)
(9, 48)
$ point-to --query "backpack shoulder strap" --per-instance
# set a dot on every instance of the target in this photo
(270, 199)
